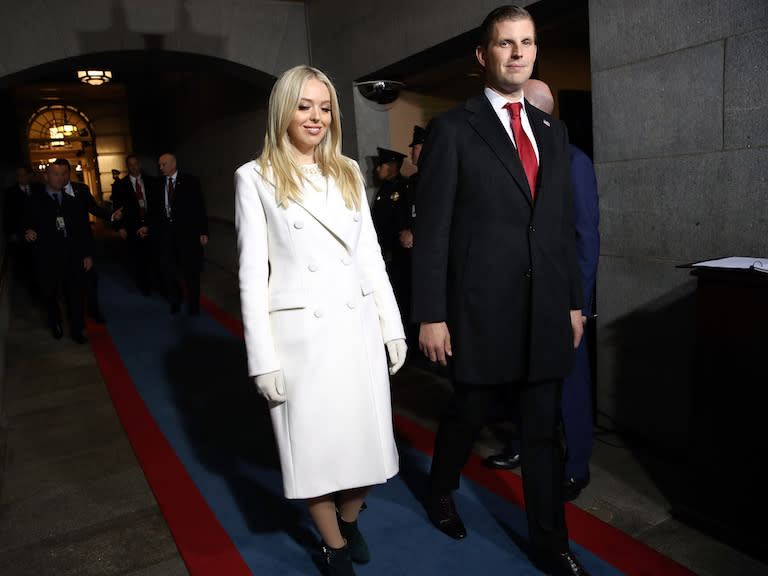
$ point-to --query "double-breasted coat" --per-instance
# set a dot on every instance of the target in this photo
(317, 304)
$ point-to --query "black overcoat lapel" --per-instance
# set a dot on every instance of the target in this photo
(542, 131)
(486, 123)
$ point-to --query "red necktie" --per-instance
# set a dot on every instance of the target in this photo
(140, 198)
(524, 146)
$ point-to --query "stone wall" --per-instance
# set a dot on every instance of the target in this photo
(680, 135)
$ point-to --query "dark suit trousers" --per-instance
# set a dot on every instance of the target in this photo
(188, 257)
(577, 414)
(470, 408)
(139, 257)
(91, 280)
(65, 272)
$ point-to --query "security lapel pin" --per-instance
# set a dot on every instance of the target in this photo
(546, 122)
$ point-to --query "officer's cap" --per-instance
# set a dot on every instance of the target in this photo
(388, 156)
(418, 136)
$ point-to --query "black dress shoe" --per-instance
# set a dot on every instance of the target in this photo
(563, 564)
(57, 331)
(502, 461)
(442, 513)
(79, 338)
(572, 487)
(97, 317)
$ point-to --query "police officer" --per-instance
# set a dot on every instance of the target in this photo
(387, 211)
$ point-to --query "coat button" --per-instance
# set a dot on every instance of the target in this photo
(529, 273)
(351, 305)
(318, 313)
(313, 267)
(299, 224)
(532, 228)
(356, 216)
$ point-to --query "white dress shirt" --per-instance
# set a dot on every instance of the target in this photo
(140, 180)
(498, 102)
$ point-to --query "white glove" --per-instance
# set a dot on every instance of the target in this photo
(396, 350)
(272, 386)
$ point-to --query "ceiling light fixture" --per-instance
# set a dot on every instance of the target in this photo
(94, 77)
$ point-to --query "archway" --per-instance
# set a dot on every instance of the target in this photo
(63, 131)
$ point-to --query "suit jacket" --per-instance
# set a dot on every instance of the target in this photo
(124, 196)
(587, 216)
(15, 201)
(89, 202)
(55, 253)
(499, 268)
(189, 216)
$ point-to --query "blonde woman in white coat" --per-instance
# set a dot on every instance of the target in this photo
(318, 311)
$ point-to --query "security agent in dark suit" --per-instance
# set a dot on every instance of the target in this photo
(178, 226)
(57, 223)
(91, 280)
(576, 406)
(496, 282)
(22, 253)
(131, 193)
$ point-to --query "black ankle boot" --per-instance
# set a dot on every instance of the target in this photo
(337, 561)
(358, 549)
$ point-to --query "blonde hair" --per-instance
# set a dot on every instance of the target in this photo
(277, 157)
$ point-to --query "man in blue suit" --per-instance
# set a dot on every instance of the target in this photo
(577, 388)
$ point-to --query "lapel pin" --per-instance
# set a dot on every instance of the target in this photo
(546, 122)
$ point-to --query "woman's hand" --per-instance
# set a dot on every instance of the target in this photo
(272, 386)
(396, 350)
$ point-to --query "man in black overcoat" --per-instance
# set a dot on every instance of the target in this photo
(496, 283)
(178, 226)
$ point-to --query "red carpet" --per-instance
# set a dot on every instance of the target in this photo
(206, 547)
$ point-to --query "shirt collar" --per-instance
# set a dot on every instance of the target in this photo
(498, 101)
(69, 189)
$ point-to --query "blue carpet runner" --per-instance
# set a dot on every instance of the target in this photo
(203, 437)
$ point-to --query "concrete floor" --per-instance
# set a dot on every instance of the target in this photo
(73, 499)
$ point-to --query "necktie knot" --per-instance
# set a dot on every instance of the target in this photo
(513, 108)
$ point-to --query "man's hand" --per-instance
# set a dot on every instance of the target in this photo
(142, 232)
(577, 325)
(30, 235)
(203, 240)
(117, 214)
(406, 239)
(435, 341)
(123, 233)
(87, 263)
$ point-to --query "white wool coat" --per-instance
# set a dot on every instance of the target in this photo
(318, 305)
